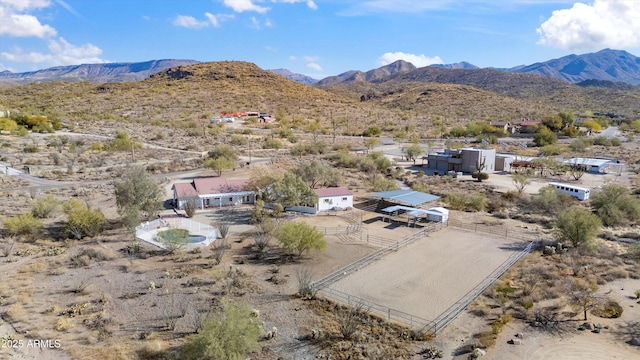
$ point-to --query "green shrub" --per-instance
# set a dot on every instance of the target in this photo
(381, 183)
(372, 131)
(637, 294)
(45, 206)
(83, 221)
(232, 335)
(272, 144)
(467, 202)
(23, 224)
(30, 149)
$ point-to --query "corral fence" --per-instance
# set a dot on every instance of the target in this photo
(452, 312)
(388, 246)
(496, 230)
(415, 322)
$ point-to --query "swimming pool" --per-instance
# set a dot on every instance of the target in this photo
(196, 238)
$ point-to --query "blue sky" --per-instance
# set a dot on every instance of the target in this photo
(318, 38)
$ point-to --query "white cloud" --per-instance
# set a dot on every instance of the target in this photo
(61, 53)
(314, 66)
(255, 23)
(189, 22)
(23, 5)
(293, 58)
(15, 23)
(193, 23)
(416, 60)
(604, 23)
(268, 23)
(310, 3)
(244, 5)
(251, 5)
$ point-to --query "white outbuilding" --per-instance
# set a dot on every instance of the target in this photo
(438, 214)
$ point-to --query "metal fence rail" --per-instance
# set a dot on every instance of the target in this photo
(415, 322)
(388, 247)
(452, 312)
(500, 231)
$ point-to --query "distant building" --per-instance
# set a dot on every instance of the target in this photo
(462, 160)
(506, 126)
(333, 198)
(589, 164)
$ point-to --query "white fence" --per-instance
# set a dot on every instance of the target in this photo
(147, 231)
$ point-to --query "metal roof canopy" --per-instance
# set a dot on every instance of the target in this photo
(413, 198)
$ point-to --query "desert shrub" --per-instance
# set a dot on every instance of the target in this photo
(486, 339)
(45, 206)
(30, 149)
(466, 202)
(173, 239)
(23, 224)
(637, 294)
(381, 183)
(580, 144)
(238, 140)
(232, 335)
(306, 288)
(372, 131)
(578, 226)
(123, 142)
(272, 144)
(83, 221)
(609, 310)
(615, 274)
(344, 159)
(552, 149)
(544, 137)
(615, 205)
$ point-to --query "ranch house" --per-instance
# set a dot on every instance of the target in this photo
(213, 192)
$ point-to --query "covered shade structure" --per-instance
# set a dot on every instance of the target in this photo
(405, 197)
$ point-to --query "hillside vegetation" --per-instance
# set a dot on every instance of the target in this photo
(188, 96)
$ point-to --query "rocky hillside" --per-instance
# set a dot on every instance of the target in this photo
(380, 73)
(607, 64)
(96, 73)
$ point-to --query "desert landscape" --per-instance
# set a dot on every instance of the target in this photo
(516, 269)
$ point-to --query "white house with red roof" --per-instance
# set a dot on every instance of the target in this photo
(213, 192)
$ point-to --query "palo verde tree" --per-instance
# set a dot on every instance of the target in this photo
(82, 221)
(614, 205)
(577, 226)
(137, 194)
(299, 237)
(316, 173)
(412, 152)
(291, 190)
(221, 158)
(521, 181)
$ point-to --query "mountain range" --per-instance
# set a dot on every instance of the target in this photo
(605, 68)
(97, 73)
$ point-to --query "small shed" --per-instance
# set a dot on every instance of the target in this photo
(438, 214)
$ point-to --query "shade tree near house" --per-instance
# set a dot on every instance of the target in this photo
(315, 172)
(413, 151)
(137, 195)
(290, 190)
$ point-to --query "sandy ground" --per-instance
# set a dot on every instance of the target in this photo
(426, 278)
(573, 344)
